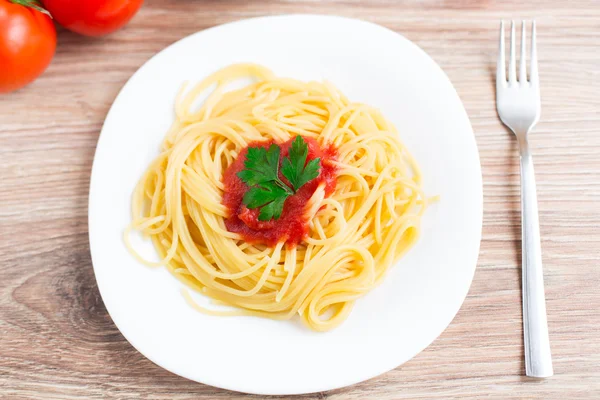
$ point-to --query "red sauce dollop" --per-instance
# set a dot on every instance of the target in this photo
(292, 226)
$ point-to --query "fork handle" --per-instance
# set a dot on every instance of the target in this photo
(538, 359)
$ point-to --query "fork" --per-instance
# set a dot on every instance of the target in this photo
(518, 105)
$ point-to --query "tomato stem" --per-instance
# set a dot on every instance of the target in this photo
(35, 4)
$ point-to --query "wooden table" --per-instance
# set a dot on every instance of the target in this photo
(56, 338)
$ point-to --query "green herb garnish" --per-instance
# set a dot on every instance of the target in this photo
(267, 191)
(293, 166)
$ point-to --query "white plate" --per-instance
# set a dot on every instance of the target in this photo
(420, 296)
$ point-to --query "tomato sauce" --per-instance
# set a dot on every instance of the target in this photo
(292, 226)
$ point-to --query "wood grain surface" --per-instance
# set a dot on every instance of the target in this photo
(56, 338)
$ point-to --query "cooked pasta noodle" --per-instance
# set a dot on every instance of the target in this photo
(354, 236)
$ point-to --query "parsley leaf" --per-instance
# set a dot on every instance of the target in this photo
(311, 171)
(258, 196)
(272, 210)
(269, 195)
(267, 191)
(293, 166)
(262, 165)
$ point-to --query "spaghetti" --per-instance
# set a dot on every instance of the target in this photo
(353, 236)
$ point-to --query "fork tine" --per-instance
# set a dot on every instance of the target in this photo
(533, 68)
(501, 68)
(522, 63)
(512, 67)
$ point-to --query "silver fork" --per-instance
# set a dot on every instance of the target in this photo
(518, 105)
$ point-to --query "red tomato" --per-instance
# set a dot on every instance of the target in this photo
(27, 43)
(92, 17)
